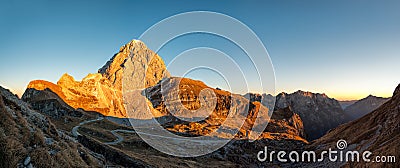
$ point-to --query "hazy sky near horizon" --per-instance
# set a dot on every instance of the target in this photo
(346, 49)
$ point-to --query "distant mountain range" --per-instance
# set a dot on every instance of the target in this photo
(345, 103)
(378, 132)
(319, 112)
(364, 106)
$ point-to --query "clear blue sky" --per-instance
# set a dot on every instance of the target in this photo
(347, 49)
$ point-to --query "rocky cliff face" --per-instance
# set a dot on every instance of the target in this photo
(93, 93)
(102, 92)
(137, 54)
(378, 132)
(190, 99)
(283, 120)
(364, 106)
(29, 139)
(49, 103)
(286, 121)
(265, 99)
(318, 112)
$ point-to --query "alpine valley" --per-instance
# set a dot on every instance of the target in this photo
(85, 123)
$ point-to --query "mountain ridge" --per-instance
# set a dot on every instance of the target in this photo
(364, 106)
(318, 112)
(378, 132)
(102, 91)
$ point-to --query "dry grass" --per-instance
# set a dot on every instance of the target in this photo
(100, 130)
(19, 139)
(99, 134)
(106, 125)
(11, 148)
(11, 151)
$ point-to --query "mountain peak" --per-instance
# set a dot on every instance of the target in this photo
(397, 91)
(66, 76)
(318, 112)
(370, 96)
(304, 93)
(66, 80)
(102, 92)
(136, 57)
(309, 94)
(364, 106)
(131, 45)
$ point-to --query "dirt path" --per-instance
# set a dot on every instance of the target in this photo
(119, 137)
(75, 132)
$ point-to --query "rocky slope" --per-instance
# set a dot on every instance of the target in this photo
(286, 121)
(102, 92)
(364, 106)
(190, 99)
(378, 132)
(283, 132)
(48, 100)
(29, 139)
(93, 93)
(318, 112)
(283, 120)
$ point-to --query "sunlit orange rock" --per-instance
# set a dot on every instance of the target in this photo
(283, 124)
(102, 92)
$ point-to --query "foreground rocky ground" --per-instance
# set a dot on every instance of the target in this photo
(30, 139)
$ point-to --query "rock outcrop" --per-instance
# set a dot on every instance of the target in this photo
(191, 100)
(318, 112)
(102, 92)
(93, 93)
(265, 99)
(377, 132)
(29, 139)
(49, 103)
(364, 106)
(286, 121)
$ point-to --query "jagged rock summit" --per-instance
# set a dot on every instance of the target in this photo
(102, 91)
(137, 54)
(284, 124)
(318, 112)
